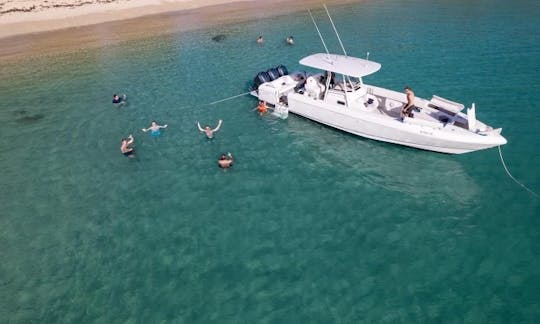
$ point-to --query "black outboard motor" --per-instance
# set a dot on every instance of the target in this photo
(273, 73)
(261, 78)
(282, 70)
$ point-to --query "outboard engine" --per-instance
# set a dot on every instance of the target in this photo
(273, 73)
(261, 78)
(282, 70)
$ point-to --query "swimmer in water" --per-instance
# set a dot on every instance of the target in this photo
(209, 131)
(155, 128)
(225, 161)
(290, 40)
(262, 108)
(260, 40)
(119, 99)
(125, 147)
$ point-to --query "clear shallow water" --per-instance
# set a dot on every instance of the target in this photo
(311, 224)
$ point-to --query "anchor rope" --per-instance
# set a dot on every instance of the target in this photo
(512, 177)
(229, 98)
(211, 103)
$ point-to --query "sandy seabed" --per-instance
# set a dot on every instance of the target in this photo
(30, 27)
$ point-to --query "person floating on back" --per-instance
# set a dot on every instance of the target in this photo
(125, 147)
(119, 99)
(155, 128)
(209, 131)
(225, 161)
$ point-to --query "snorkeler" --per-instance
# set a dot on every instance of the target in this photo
(225, 161)
(126, 148)
(209, 131)
(119, 99)
(155, 128)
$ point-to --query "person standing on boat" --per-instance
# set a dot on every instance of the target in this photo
(406, 111)
(209, 131)
(332, 77)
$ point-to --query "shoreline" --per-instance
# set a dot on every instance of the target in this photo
(32, 16)
(63, 29)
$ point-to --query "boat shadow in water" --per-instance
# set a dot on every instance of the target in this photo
(415, 173)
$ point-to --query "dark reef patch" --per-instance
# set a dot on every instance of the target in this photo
(219, 38)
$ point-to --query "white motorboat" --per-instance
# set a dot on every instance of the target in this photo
(346, 103)
(350, 105)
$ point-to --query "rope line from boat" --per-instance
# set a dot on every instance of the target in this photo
(512, 177)
(229, 98)
(214, 102)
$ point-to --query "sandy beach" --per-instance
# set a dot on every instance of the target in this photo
(42, 26)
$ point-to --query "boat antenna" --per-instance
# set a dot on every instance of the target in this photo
(335, 30)
(318, 31)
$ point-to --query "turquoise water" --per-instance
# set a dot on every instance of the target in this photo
(310, 225)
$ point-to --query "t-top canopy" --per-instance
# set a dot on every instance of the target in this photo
(341, 64)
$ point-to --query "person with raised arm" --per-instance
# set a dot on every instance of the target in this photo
(208, 130)
(125, 147)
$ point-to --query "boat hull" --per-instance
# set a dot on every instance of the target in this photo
(439, 138)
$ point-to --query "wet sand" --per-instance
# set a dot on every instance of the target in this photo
(120, 20)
